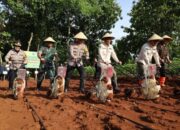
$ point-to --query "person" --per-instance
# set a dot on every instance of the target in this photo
(47, 55)
(105, 52)
(16, 58)
(147, 53)
(164, 58)
(77, 51)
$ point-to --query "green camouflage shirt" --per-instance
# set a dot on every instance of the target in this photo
(48, 54)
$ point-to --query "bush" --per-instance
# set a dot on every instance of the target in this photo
(130, 69)
(174, 67)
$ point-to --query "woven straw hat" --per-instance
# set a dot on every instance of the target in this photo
(155, 37)
(80, 35)
(167, 37)
(17, 44)
(49, 39)
(108, 35)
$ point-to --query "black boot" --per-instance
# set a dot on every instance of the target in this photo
(116, 89)
(66, 85)
(81, 88)
(39, 82)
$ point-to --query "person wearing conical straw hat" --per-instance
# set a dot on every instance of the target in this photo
(105, 53)
(147, 53)
(77, 51)
(16, 58)
(47, 53)
(164, 57)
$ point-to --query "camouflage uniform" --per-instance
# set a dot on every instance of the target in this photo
(48, 66)
(16, 59)
(76, 53)
(164, 59)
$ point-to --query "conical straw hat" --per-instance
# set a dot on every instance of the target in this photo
(155, 37)
(80, 35)
(107, 35)
(167, 37)
(49, 39)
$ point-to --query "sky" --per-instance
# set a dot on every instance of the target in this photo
(126, 6)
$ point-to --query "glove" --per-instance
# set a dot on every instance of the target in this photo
(42, 60)
(87, 62)
(159, 66)
(120, 62)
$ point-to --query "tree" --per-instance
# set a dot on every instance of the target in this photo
(61, 19)
(148, 17)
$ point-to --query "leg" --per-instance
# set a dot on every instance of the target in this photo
(162, 75)
(82, 76)
(98, 72)
(51, 75)
(114, 83)
(68, 76)
(11, 76)
(140, 71)
(40, 77)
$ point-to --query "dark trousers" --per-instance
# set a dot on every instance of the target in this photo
(12, 74)
(97, 73)
(162, 70)
(50, 73)
(69, 72)
(113, 79)
(140, 71)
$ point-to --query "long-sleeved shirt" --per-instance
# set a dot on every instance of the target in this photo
(163, 52)
(76, 53)
(105, 52)
(147, 53)
(16, 59)
(48, 54)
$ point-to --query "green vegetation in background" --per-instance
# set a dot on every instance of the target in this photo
(130, 69)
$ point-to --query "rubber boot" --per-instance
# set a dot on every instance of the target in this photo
(140, 82)
(81, 87)
(162, 81)
(116, 89)
(39, 85)
(66, 85)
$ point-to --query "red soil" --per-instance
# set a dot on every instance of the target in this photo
(73, 111)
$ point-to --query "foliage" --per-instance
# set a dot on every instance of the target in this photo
(61, 19)
(174, 68)
(148, 17)
(130, 69)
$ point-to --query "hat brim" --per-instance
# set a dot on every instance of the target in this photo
(108, 38)
(49, 42)
(17, 45)
(81, 39)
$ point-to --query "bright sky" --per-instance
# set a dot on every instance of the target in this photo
(126, 6)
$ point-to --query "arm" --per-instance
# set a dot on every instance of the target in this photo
(114, 56)
(86, 52)
(39, 54)
(167, 57)
(71, 51)
(7, 57)
(143, 54)
(25, 58)
(156, 58)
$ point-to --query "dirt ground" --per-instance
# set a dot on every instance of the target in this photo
(73, 111)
